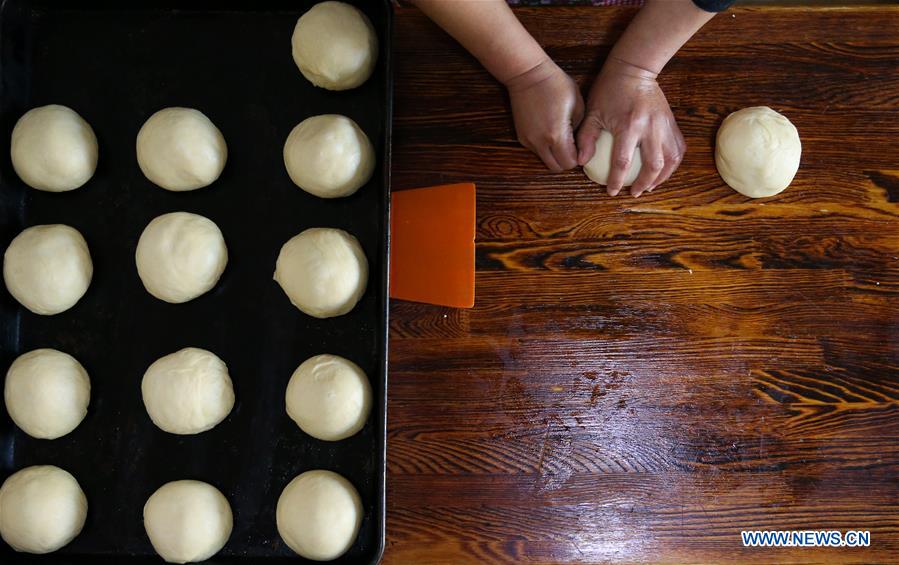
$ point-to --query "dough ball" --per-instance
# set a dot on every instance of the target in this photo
(323, 271)
(757, 151)
(48, 268)
(180, 149)
(180, 256)
(53, 149)
(188, 392)
(599, 166)
(329, 156)
(335, 46)
(47, 393)
(187, 521)
(42, 509)
(319, 514)
(329, 397)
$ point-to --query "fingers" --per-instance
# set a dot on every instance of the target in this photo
(545, 153)
(586, 138)
(672, 162)
(564, 151)
(622, 157)
(673, 157)
(662, 153)
(653, 163)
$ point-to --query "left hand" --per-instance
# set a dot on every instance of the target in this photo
(547, 107)
(627, 101)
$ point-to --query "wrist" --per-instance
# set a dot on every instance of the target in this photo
(618, 66)
(537, 73)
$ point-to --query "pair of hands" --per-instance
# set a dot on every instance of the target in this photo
(548, 109)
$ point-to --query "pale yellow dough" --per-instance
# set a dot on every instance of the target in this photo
(53, 149)
(187, 521)
(323, 271)
(329, 397)
(48, 268)
(47, 393)
(335, 46)
(319, 514)
(757, 151)
(42, 509)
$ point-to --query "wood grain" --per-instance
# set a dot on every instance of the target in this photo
(642, 379)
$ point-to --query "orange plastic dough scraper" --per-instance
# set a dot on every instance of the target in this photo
(432, 245)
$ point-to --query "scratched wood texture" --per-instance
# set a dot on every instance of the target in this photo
(642, 379)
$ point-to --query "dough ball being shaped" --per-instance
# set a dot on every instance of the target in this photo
(757, 151)
(329, 156)
(318, 515)
(335, 46)
(180, 256)
(329, 397)
(47, 393)
(53, 149)
(188, 392)
(42, 509)
(323, 271)
(48, 268)
(187, 521)
(600, 165)
(181, 149)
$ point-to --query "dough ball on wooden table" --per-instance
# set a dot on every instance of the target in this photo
(318, 515)
(42, 509)
(188, 392)
(757, 151)
(48, 268)
(47, 393)
(329, 397)
(335, 46)
(187, 521)
(53, 149)
(329, 156)
(181, 149)
(600, 165)
(323, 271)
(180, 256)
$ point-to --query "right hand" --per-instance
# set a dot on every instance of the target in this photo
(547, 107)
(627, 101)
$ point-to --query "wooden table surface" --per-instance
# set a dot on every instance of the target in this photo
(642, 379)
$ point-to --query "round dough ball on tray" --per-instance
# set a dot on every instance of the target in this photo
(47, 393)
(319, 514)
(42, 509)
(48, 268)
(187, 521)
(323, 271)
(180, 256)
(335, 46)
(757, 151)
(329, 397)
(329, 156)
(53, 149)
(188, 392)
(180, 149)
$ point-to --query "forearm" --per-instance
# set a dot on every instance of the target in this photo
(657, 32)
(490, 31)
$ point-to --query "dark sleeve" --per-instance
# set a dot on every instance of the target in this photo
(714, 5)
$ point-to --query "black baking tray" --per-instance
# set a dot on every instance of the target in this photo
(231, 60)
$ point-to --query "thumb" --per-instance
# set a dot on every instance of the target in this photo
(586, 137)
